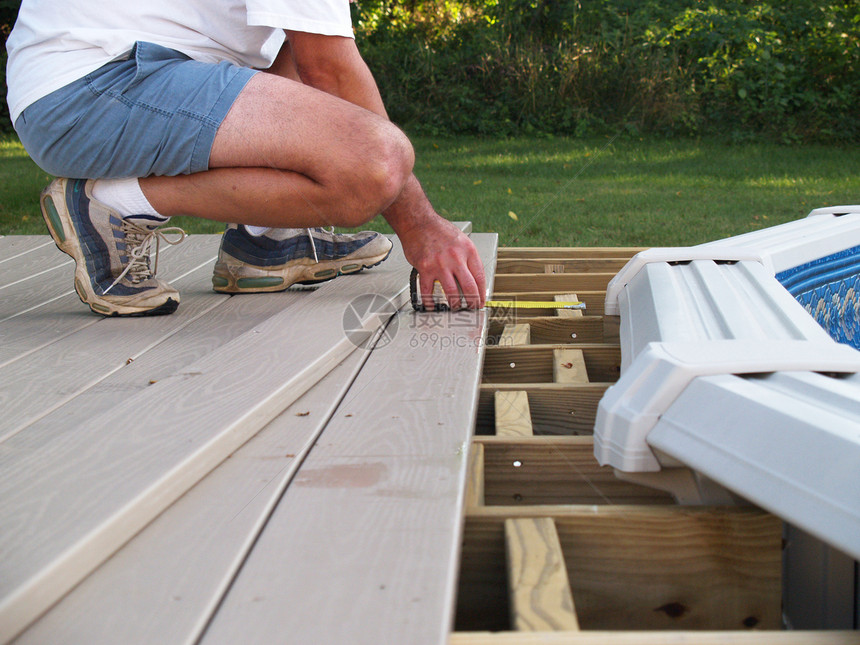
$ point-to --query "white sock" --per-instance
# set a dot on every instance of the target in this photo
(125, 197)
(281, 233)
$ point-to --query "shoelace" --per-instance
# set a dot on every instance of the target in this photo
(313, 244)
(139, 241)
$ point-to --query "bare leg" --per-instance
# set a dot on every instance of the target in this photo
(288, 155)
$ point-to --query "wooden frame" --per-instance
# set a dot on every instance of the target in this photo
(633, 559)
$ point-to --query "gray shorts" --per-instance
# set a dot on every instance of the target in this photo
(155, 113)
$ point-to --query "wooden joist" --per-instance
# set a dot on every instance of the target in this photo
(555, 409)
(552, 330)
(560, 265)
(658, 638)
(594, 301)
(635, 567)
(534, 363)
(557, 282)
(554, 470)
(567, 252)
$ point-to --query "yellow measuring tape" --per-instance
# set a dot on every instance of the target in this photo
(535, 304)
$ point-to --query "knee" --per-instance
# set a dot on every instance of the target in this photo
(380, 179)
(389, 171)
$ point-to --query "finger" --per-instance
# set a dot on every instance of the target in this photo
(468, 288)
(452, 295)
(427, 286)
(476, 269)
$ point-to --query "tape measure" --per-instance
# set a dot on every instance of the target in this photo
(535, 304)
(417, 305)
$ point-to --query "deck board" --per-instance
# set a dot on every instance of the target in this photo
(179, 566)
(59, 371)
(137, 462)
(380, 497)
(13, 246)
(38, 285)
(25, 264)
(45, 309)
(203, 335)
(31, 294)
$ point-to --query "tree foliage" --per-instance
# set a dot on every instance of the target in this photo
(786, 69)
(8, 13)
(781, 69)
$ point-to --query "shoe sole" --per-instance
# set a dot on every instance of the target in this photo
(226, 283)
(62, 231)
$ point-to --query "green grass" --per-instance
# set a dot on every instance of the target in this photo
(565, 192)
(631, 192)
(20, 183)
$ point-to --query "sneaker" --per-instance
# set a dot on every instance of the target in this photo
(112, 264)
(282, 257)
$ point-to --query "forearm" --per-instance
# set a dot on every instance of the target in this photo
(410, 210)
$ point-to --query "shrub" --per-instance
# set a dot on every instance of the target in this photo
(786, 69)
(8, 13)
(783, 70)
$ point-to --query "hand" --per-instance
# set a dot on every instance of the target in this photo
(442, 252)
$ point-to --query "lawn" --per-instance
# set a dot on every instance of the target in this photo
(573, 192)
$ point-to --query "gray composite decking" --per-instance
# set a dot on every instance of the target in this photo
(235, 471)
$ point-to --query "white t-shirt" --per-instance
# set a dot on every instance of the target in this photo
(55, 42)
